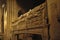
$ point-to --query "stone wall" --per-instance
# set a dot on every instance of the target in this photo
(53, 12)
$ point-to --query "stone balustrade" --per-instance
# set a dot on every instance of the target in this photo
(33, 18)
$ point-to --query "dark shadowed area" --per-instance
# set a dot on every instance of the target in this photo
(29, 4)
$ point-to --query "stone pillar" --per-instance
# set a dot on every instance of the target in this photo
(12, 10)
(0, 18)
(52, 13)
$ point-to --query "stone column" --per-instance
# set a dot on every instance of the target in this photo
(12, 10)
